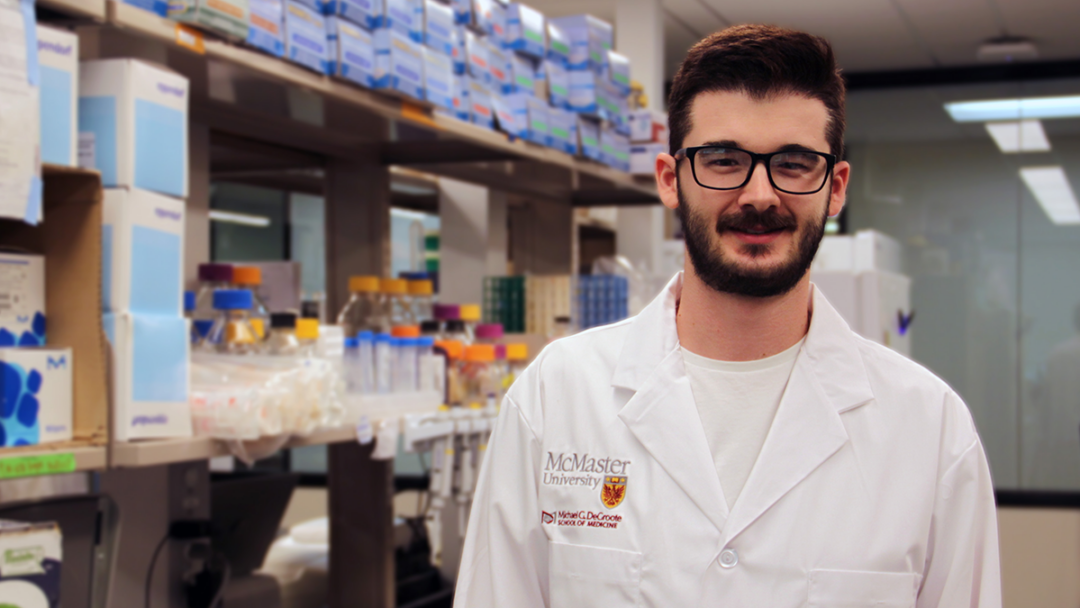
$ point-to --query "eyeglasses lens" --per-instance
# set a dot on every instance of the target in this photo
(794, 172)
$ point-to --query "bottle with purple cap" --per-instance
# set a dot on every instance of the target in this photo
(211, 278)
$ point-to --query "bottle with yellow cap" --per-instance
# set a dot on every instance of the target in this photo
(364, 310)
(250, 278)
(395, 294)
(307, 333)
(470, 314)
(517, 355)
(478, 375)
(422, 293)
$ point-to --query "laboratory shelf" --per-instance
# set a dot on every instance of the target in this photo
(435, 143)
(44, 459)
(376, 409)
(93, 9)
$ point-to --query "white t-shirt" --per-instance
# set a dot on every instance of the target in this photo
(737, 401)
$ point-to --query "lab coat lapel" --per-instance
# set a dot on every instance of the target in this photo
(828, 378)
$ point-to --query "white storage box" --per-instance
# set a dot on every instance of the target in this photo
(58, 56)
(22, 299)
(150, 375)
(35, 384)
(643, 158)
(267, 31)
(525, 31)
(399, 63)
(590, 40)
(305, 36)
(31, 560)
(440, 33)
(133, 125)
(439, 79)
(352, 51)
(142, 253)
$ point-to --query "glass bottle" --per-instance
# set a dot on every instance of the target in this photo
(364, 310)
(189, 310)
(517, 358)
(212, 277)
(450, 377)
(454, 329)
(282, 337)
(423, 300)
(396, 301)
(477, 375)
(231, 331)
(307, 333)
(444, 313)
(470, 314)
(250, 278)
(384, 363)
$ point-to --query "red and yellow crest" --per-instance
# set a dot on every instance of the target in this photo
(613, 492)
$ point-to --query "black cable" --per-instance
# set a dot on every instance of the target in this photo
(150, 570)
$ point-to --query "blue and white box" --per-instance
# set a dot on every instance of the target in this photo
(266, 31)
(462, 11)
(525, 31)
(142, 252)
(537, 130)
(458, 53)
(22, 299)
(558, 84)
(497, 31)
(589, 138)
(480, 106)
(614, 148)
(590, 40)
(461, 97)
(352, 51)
(510, 114)
(133, 125)
(35, 395)
(158, 7)
(562, 130)
(439, 79)
(481, 15)
(582, 94)
(643, 158)
(58, 58)
(618, 72)
(439, 29)
(499, 68)
(406, 17)
(476, 56)
(150, 375)
(558, 44)
(522, 74)
(367, 13)
(399, 63)
(305, 36)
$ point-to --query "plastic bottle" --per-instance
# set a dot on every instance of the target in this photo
(423, 300)
(364, 310)
(404, 353)
(444, 313)
(282, 337)
(396, 301)
(250, 278)
(384, 363)
(231, 331)
(425, 364)
(307, 333)
(351, 364)
(492, 333)
(366, 355)
(477, 375)
(212, 277)
(517, 358)
(470, 314)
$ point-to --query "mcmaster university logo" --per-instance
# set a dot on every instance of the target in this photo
(613, 492)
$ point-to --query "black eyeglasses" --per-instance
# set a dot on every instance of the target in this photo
(793, 171)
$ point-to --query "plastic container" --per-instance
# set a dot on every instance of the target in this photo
(351, 364)
(231, 331)
(384, 363)
(212, 277)
(451, 377)
(396, 301)
(364, 311)
(423, 300)
(189, 310)
(366, 353)
(404, 354)
(425, 364)
(250, 278)
(307, 333)
(444, 313)
(282, 338)
(478, 376)
(454, 329)
(471, 315)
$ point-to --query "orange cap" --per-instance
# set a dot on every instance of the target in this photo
(394, 286)
(470, 312)
(307, 329)
(453, 348)
(421, 288)
(517, 352)
(247, 275)
(363, 283)
(480, 353)
(405, 331)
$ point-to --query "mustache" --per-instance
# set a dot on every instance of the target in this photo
(750, 219)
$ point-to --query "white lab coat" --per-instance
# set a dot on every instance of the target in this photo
(872, 488)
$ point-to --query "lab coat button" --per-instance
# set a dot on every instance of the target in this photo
(728, 558)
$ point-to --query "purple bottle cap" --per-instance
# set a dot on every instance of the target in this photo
(215, 273)
(500, 351)
(447, 312)
(489, 331)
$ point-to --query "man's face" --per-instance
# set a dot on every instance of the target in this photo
(754, 241)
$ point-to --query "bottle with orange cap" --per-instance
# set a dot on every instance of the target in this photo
(478, 375)
(250, 278)
(446, 371)
(364, 310)
(422, 293)
(395, 294)
(404, 348)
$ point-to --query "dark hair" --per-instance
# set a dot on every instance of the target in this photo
(759, 60)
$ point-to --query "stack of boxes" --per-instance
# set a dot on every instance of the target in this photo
(133, 128)
(648, 137)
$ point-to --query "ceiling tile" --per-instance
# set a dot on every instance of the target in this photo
(953, 30)
(1052, 24)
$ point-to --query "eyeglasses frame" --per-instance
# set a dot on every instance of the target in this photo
(689, 153)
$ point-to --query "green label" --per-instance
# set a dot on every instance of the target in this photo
(525, 81)
(589, 141)
(558, 90)
(30, 466)
(539, 127)
(536, 37)
(596, 58)
(560, 48)
(560, 133)
(622, 79)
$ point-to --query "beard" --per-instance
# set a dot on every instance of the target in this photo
(727, 276)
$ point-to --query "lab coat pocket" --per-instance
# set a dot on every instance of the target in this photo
(594, 576)
(857, 589)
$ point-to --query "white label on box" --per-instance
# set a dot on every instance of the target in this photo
(87, 158)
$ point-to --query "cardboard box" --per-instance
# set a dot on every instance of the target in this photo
(462, 11)
(133, 125)
(405, 17)
(480, 106)
(305, 37)
(558, 84)
(31, 558)
(558, 44)
(440, 33)
(582, 95)
(617, 71)
(481, 15)
(643, 158)
(366, 13)
(158, 7)
(590, 40)
(462, 107)
(476, 58)
(352, 51)
(267, 31)
(522, 74)
(614, 148)
(562, 128)
(499, 68)
(438, 79)
(588, 138)
(58, 58)
(150, 375)
(537, 119)
(22, 300)
(142, 242)
(496, 33)
(525, 30)
(648, 126)
(458, 52)
(227, 17)
(510, 119)
(37, 395)
(399, 63)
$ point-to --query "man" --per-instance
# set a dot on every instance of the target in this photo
(736, 444)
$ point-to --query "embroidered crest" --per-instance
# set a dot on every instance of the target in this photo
(613, 491)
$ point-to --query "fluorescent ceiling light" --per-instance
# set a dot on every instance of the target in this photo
(1014, 109)
(1051, 188)
(245, 219)
(1019, 136)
